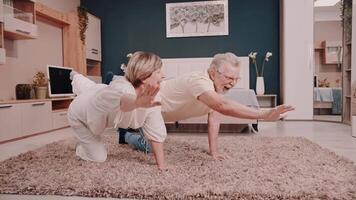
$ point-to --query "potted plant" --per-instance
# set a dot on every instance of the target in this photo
(40, 83)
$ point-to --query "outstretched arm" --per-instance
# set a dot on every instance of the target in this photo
(232, 108)
(144, 98)
(213, 132)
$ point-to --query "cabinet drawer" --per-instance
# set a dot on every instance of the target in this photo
(60, 119)
(20, 27)
(36, 117)
(10, 121)
(93, 54)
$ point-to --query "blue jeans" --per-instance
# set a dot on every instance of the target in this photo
(136, 139)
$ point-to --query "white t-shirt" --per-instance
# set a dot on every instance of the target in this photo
(99, 107)
(179, 96)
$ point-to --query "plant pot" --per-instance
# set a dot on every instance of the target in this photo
(260, 85)
(41, 92)
(24, 91)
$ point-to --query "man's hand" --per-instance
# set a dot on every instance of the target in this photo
(277, 113)
(145, 96)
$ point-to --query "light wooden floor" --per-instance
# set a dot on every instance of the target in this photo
(334, 136)
(328, 118)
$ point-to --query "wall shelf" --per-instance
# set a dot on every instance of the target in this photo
(20, 20)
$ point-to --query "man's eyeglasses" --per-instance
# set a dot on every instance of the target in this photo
(229, 78)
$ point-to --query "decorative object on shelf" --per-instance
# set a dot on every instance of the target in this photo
(316, 80)
(203, 18)
(260, 85)
(40, 83)
(83, 22)
(324, 83)
(24, 91)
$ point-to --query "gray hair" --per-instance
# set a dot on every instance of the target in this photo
(222, 58)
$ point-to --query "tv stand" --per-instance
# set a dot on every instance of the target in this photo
(62, 103)
(59, 111)
(24, 118)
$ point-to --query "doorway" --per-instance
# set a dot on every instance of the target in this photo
(327, 92)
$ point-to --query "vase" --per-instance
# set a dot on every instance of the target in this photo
(41, 92)
(260, 85)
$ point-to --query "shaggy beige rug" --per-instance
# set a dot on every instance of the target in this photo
(259, 168)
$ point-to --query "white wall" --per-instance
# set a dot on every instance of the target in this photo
(297, 49)
(25, 57)
(327, 30)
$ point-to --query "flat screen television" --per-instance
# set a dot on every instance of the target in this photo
(59, 83)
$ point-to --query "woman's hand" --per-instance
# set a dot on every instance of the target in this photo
(145, 96)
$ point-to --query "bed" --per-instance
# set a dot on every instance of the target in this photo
(173, 67)
(328, 98)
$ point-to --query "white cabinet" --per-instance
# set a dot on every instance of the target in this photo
(60, 119)
(18, 29)
(332, 52)
(93, 38)
(10, 121)
(19, 19)
(28, 117)
(36, 117)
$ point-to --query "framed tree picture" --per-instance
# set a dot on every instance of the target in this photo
(203, 18)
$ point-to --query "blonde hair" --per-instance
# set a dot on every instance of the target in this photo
(140, 66)
(221, 58)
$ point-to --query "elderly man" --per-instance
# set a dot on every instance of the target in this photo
(200, 93)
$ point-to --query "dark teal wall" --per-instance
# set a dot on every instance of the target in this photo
(131, 25)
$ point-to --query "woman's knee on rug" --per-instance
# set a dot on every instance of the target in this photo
(95, 152)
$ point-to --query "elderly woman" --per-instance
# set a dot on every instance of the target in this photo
(127, 102)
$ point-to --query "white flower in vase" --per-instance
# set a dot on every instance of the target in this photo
(260, 88)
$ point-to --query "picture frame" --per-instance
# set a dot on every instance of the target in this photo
(195, 19)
